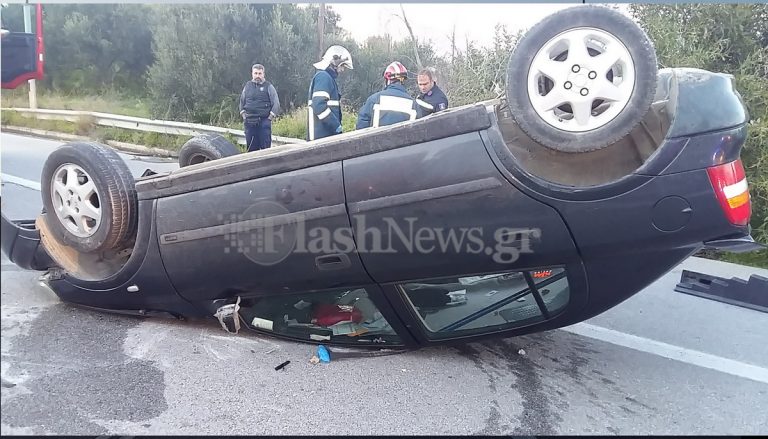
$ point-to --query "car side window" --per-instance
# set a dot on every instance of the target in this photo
(346, 316)
(473, 305)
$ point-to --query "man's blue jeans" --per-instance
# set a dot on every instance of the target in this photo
(258, 133)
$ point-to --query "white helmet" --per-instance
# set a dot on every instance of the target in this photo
(337, 56)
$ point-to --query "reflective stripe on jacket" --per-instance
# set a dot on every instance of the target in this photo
(389, 106)
(433, 101)
(323, 105)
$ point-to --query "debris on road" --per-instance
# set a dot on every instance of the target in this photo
(323, 354)
(282, 365)
(229, 318)
(734, 291)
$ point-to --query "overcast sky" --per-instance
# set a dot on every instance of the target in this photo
(435, 21)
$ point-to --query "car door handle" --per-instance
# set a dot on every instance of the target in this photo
(332, 262)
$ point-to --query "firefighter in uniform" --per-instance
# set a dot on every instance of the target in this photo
(324, 105)
(431, 99)
(391, 105)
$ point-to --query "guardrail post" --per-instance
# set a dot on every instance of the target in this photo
(31, 82)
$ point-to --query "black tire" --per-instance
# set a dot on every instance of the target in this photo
(115, 193)
(206, 147)
(622, 28)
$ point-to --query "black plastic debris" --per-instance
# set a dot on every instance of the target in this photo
(752, 293)
(148, 173)
(341, 352)
(282, 365)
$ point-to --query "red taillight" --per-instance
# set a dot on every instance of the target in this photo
(730, 184)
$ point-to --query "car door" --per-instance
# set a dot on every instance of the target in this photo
(261, 236)
(457, 248)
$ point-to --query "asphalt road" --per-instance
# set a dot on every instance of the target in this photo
(659, 363)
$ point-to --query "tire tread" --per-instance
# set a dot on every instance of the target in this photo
(212, 146)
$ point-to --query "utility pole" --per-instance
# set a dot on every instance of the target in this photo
(320, 30)
(28, 29)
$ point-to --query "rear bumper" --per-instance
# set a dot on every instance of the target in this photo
(739, 244)
(21, 244)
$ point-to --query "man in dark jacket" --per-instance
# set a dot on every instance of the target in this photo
(259, 104)
(324, 104)
(431, 99)
(391, 105)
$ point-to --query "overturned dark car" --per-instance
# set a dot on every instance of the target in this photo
(592, 177)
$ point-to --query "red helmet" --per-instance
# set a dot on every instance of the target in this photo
(395, 70)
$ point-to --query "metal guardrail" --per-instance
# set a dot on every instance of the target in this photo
(142, 124)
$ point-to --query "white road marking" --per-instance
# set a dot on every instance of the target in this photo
(690, 356)
(20, 181)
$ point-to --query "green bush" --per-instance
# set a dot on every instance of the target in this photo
(294, 124)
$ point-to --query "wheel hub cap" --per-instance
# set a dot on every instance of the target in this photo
(581, 79)
(76, 201)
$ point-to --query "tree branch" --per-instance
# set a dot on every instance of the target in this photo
(413, 38)
(320, 30)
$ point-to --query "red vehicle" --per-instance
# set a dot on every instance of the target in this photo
(23, 54)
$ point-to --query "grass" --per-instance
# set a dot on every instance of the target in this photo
(14, 118)
(109, 102)
(757, 259)
(156, 140)
(294, 124)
